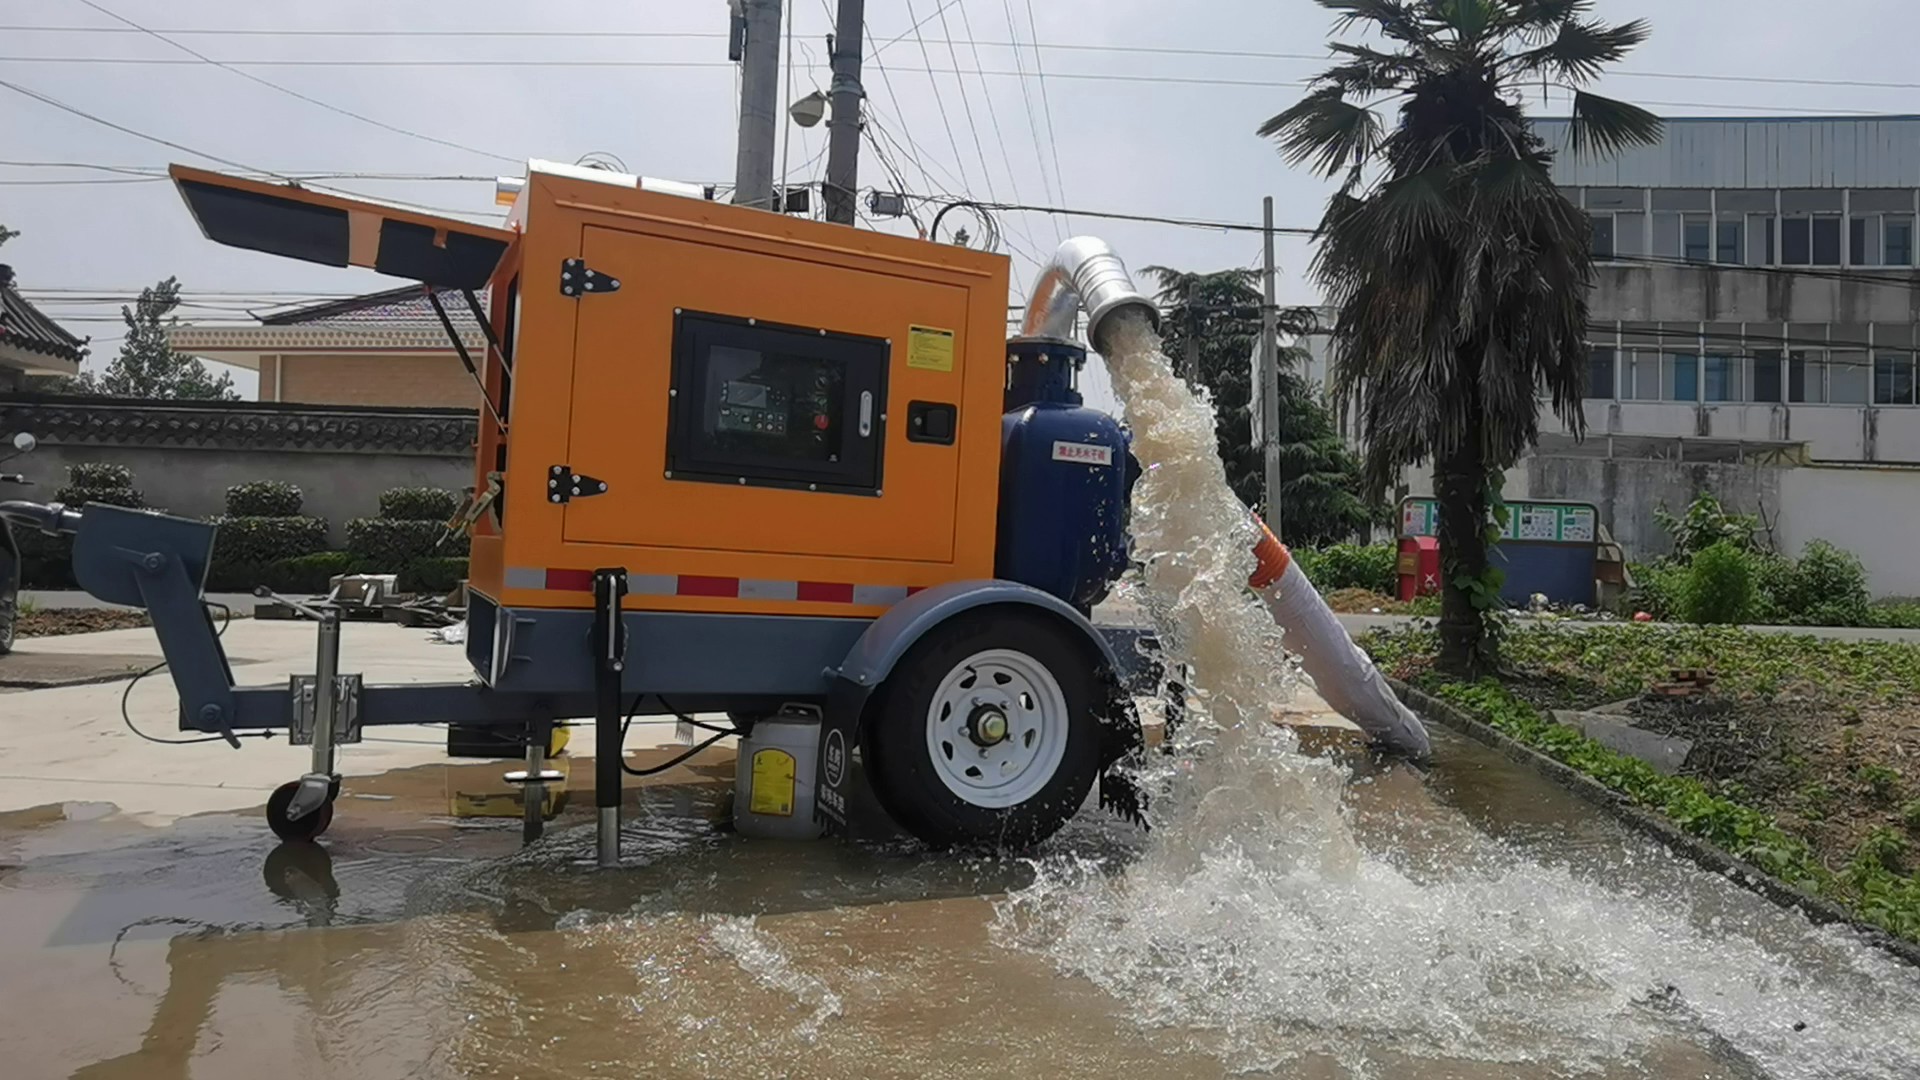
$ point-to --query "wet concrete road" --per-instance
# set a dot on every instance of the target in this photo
(412, 944)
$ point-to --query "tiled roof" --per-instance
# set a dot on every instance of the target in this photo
(402, 308)
(23, 326)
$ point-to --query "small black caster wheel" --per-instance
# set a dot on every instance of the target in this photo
(304, 829)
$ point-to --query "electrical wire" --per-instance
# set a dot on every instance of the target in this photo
(1033, 123)
(127, 717)
(1046, 106)
(993, 115)
(653, 770)
(934, 85)
(966, 104)
(329, 106)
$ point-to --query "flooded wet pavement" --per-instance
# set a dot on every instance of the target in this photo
(414, 945)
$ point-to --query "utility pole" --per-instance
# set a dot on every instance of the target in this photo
(759, 102)
(843, 124)
(1270, 382)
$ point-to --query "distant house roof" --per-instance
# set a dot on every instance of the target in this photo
(24, 329)
(393, 321)
(402, 307)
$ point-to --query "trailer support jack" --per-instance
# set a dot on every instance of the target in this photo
(609, 661)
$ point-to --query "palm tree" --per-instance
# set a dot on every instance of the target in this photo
(1460, 273)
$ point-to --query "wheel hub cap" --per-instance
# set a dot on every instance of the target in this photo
(987, 726)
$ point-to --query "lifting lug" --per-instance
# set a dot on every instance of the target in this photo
(576, 279)
(565, 485)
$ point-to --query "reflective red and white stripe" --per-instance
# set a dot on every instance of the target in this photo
(728, 588)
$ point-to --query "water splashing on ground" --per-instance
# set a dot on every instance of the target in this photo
(1262, 920)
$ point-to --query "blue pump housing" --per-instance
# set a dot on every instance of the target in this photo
(1065, 477)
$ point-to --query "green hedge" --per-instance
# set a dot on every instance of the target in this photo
(267, 539)
(304, 575)
(388, 546)
(99, 474)
(432, 577)
(418, 504)
(264, 498)
(1373, 567)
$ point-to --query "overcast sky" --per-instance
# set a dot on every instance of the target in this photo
(1175, 148)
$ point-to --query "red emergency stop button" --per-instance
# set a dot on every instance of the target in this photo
(820, 423)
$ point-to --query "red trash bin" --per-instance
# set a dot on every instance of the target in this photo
(1419, 566)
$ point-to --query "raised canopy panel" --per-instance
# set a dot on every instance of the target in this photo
(334, 230)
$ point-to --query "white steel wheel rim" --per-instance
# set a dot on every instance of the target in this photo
(1016, 767)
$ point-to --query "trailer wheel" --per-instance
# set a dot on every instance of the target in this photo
(985, 732)
(304, 829)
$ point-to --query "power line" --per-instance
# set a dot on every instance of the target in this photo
(979, 148)
(1157, 50)
(330, 107)
(83, 114)
(1046, 106)
(993, 113)
(1033, 123)
(1043, 76)
(934, 85)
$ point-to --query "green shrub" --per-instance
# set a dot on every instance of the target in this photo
(435, 577)
(1657, 588)
(1829, 588)
(99, 474)
(384, 546)
(1373, 567)
(264, 498)
(1894, 614)
(267, 539)
(303, 575)
(1910, 816)
(1719, 586)
(1705, 524)
(46, 562)
(419, 504)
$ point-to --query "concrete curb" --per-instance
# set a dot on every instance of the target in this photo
(1820, 911)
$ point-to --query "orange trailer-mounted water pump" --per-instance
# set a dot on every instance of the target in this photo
(729, 462)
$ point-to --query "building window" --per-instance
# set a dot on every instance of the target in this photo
(1760, 239)
(1680, 376)
(1847, 377)
(1880, 240)
(1730, 241)
(1766, 375)
(1696, 231)
(1600, 372)
(1807, 376)
(1826, 240)
(1893, 378)
(1897, 240)
(1602, 235)
(1640, 380)
(1723, 378)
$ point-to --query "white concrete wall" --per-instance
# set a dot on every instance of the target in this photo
(1874, 513)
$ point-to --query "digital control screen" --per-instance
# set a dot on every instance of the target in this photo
(771, 404)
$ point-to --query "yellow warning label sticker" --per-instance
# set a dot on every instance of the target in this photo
(771, 787)
(929, 348)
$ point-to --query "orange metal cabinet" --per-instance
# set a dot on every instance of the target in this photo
(593, 389)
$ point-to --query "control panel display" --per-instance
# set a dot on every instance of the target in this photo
(763, 404)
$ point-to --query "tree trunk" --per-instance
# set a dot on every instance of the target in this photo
(1460, 487)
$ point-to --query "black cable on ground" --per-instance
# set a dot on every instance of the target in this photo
(125, 695)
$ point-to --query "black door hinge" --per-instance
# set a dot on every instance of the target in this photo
(565, 485)
(575, 279)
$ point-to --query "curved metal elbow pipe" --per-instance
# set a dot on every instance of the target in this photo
(1083, 274)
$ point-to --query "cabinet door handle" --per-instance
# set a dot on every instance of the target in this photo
(866, 413)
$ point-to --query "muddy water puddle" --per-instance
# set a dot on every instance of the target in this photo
(412, 945)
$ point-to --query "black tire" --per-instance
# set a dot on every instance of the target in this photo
(9, 618)
(304, 829)
(899, 762)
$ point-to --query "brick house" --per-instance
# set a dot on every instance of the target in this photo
(31, 343)
(383, 349)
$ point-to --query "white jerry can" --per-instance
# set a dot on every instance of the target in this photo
(774, 778)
